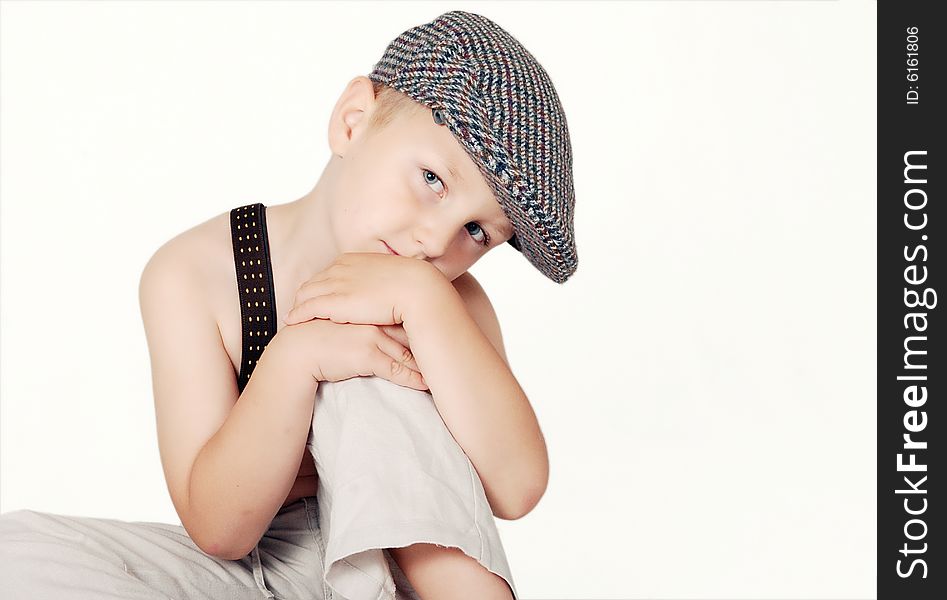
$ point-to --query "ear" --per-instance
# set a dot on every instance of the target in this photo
(350, 116)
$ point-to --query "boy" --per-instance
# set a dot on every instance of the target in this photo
(455, 143)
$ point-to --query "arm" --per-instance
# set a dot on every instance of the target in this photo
(477, 395)
(229, 459)
(242, 476)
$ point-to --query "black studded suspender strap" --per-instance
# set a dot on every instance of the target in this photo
(251, 257)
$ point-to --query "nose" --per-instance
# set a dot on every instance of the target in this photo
(436, 236)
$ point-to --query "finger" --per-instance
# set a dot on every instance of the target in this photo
(396, 351)
(402, 363)
(316, 307)
(397, 372)
(314, 288)
(397, 332)
(293, 317)
(313, 283)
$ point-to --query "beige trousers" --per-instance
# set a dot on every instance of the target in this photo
(390, 475)
(62, 557)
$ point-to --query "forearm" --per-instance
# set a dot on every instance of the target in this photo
(480, 401)
(243, 474)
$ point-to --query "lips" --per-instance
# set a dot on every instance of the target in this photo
(389, 248)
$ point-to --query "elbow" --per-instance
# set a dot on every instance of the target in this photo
(239, 554)
(215, 545)
(530, 503)
(525, 503)
(535, 478)
(222, 551)
(534, 493)
(235, 555)
(519, 510)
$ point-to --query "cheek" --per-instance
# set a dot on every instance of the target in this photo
(392, 198)
(372, 184)
(370, 198)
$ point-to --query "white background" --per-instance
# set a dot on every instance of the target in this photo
(706, 380)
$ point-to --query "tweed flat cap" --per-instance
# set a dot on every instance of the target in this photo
(500, 104)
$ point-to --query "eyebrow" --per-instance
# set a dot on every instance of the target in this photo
(506, 230)
(503, 230)
(453, 172)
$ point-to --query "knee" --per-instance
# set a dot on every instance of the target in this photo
(447, 572)
(33, 562)
(16, 528)
(15, 521)
(17, 531)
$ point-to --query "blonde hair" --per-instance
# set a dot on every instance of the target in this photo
(390, 103)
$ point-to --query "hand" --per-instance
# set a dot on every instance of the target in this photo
(361, 287)
(333, 351)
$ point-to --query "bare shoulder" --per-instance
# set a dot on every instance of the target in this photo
(202, 259)
(470, 289)
(193, 379)
(198, 253)
(480, 309)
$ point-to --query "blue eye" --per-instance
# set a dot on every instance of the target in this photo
(486, 236)
(485, 242)
(436, 178)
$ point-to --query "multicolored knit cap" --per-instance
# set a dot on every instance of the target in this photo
(500, 104)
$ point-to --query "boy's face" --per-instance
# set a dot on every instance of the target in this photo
(395, 186)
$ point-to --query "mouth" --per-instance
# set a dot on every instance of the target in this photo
(389, 248)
